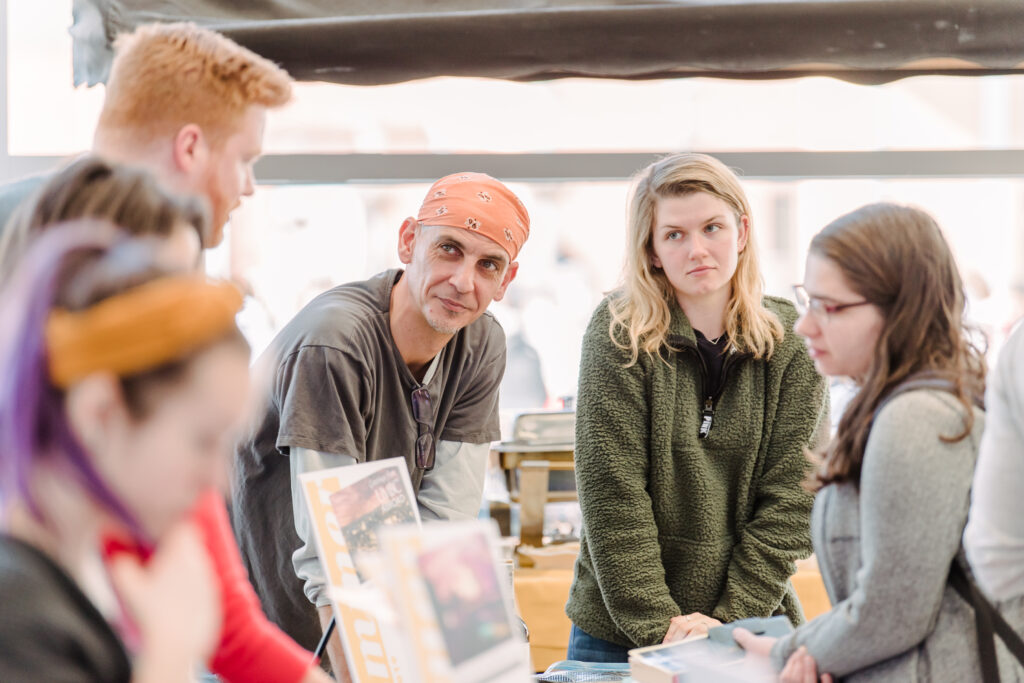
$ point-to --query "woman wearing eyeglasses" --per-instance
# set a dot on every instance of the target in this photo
(883, 304)
(696, 403)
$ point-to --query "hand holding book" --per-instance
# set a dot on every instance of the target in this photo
(800, 667)
(759, 645)
(716, 655)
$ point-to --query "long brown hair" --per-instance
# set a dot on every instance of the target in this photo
(896, 258)
(641, 304)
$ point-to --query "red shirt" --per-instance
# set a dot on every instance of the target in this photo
(250, 649)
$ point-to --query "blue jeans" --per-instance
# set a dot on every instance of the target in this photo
(584, 647)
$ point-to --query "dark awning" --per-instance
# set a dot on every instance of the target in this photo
(368, 42)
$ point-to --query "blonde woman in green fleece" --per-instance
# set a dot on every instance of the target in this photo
(696, 404)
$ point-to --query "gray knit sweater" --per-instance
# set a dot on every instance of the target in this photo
(885, 553)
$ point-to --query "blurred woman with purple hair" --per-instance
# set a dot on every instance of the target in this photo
(250, 648)
(121, 384)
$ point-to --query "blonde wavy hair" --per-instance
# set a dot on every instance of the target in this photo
(640, 306)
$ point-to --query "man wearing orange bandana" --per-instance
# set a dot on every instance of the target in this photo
(405, 364)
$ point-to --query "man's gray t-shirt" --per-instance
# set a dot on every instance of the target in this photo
(338, 384)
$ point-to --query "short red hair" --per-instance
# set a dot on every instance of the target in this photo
(165, 76)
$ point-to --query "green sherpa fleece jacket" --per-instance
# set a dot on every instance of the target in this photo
(674, 523)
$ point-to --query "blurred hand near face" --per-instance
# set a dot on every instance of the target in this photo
(174, 599)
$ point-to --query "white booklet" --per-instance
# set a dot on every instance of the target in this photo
(698, 659)
(347, 507)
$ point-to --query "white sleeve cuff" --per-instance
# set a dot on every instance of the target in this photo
(454, 489)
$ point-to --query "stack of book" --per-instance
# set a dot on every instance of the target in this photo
(711, 658)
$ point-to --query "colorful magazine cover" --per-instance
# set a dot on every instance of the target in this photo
(448, 585)
(374, 647)
(396, 569)
(363, 507)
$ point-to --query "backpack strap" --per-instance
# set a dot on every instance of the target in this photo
(988, 622)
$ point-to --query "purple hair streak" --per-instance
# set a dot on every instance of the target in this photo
(34, 428)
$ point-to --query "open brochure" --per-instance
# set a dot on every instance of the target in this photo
(347, 507)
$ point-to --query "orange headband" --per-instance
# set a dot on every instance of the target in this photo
(141, 328)
(478, 202)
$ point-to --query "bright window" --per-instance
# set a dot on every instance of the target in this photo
(291, 242)
(48, 116)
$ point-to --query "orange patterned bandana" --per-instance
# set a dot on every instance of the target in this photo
(141, 328)
(478, 202)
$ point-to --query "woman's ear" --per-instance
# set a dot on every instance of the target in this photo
(96, 412)
(744, 232)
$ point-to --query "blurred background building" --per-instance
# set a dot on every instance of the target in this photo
(303, 234)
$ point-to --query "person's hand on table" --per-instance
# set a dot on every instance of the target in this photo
(800, 667)
(687, 625)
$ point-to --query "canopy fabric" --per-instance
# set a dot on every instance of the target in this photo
(368, 42)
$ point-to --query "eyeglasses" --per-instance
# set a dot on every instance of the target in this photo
(423, 413)
(805, 303)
